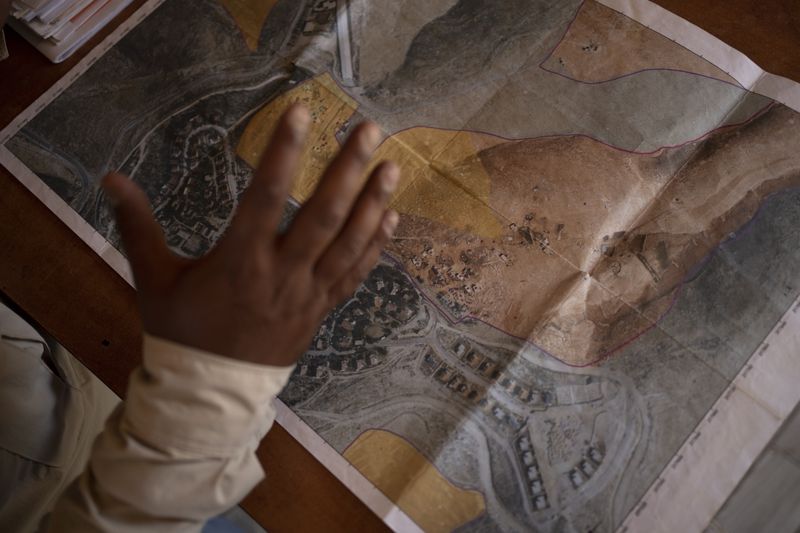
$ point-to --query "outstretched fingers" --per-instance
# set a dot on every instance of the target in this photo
(350, 281)
(359, 231)
(262, 205)
(142, 236)
(322, 217)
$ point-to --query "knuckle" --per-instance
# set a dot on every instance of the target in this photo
(361, 156)
(251, 268)
(330, 217)
(381, 240)
(293, 139)
(352, 247)
(272, 192)
(268, 192)
(378, 194)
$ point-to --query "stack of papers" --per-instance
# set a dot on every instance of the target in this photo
(59, 27)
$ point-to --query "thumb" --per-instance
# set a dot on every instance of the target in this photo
(142, 237)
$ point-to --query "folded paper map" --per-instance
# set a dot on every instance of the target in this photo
(588, 319)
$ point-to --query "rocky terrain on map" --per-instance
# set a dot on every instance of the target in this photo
(586, 257)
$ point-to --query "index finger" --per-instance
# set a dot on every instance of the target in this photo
(261, 207)
(324, 214)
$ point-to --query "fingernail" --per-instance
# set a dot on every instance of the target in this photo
(391, 177)
(370, 137)
(299, 119)
(390, 223)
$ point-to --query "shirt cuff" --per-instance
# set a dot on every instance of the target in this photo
(197, 402)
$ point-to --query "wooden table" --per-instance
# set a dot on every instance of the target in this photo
(71, 293)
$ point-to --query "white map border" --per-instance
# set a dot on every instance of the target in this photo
(721, 448)
(740, 67)
(709, 465)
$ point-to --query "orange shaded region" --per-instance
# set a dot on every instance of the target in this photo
(597, 240)
(412, 482)
(564, 241)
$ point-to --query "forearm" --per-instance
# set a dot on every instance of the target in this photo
(180, 450)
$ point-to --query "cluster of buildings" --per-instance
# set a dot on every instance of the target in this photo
(531, 473)
(490, 369)
(586, 468)
(194, 206)
(349, 339)
(387, 302)
(502, 417)
(449, 377)
(317, 365)
(357, 361)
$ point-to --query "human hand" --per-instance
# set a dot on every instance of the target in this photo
(259, 296)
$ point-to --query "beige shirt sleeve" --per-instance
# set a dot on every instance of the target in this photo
(180, 449)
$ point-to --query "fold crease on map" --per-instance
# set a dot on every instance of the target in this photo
(592, 289)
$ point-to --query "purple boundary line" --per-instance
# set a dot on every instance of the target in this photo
(526, 341)
(681, 144)
(688, 277)
(690, 274)
(758, 113)
(634, 72)
(746, 228)
(452, 320)
(432, 463)
(641, 71)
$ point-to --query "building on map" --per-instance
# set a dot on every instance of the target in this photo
(528, 459)
(540, 502)
(595, 455)
(576, 478)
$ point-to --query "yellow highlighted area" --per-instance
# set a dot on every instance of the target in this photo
(250, 16)
(407, 478)
(443, 179)
(330, 109)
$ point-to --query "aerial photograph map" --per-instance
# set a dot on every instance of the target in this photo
(598, 229)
